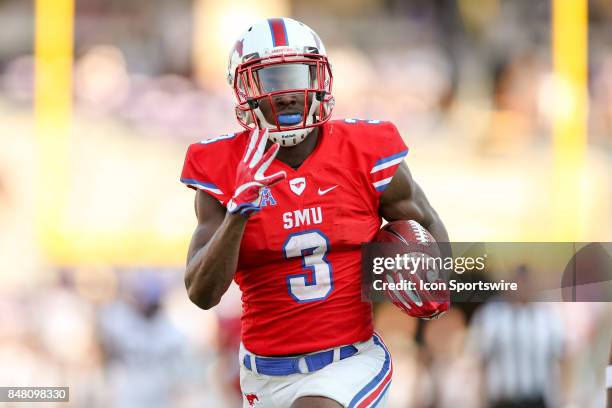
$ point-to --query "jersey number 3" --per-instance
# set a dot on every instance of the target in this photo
(316, 284)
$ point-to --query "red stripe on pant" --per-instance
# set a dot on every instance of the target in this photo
(366, 402)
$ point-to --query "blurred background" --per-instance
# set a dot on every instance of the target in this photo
(506, 106)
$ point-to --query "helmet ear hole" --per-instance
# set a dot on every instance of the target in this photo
(253, 103)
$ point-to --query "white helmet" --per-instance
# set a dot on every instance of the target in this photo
(276, 57)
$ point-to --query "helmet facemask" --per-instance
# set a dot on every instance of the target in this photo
(261, 82)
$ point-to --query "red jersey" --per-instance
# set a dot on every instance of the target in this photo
(299, 267)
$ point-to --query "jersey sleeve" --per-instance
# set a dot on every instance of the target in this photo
(385, 156)
(201, 172)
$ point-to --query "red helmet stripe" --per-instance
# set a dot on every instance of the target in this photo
(279, 32)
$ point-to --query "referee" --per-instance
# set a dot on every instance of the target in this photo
(520, 346)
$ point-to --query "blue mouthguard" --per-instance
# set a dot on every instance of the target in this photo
(291, 119)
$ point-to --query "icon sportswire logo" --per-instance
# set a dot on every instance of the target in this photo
(327, 190)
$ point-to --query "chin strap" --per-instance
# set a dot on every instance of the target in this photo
(289, 137)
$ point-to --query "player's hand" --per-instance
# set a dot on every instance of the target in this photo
(425, 304)
(250, 177)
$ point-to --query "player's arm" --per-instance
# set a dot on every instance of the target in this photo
(405, 200)
(213, 251)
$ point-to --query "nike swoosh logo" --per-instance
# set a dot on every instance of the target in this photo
(322, 192)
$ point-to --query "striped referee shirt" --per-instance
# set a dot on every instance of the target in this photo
(520, 345)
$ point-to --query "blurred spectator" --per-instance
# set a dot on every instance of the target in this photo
(226, 368)
(448, 364)
(588, 346)
(609, 379)
(144, 352)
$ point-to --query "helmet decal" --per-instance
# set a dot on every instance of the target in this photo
(239, 47)
(279, 32)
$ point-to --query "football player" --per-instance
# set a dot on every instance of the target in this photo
(282, 208)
